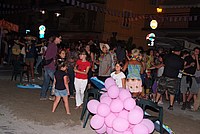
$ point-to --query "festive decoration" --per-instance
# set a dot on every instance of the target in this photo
(7, 9)
(9, 26)
(118, 113)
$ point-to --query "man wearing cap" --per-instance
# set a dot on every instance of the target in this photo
(169, 81)
(105, 62)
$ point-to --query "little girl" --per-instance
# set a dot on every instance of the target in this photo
(81, 77)
(119, 76)
(61, 87)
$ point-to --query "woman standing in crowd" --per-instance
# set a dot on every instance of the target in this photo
(81, 77)
(61, 87)
(135, 68)
(30, 56)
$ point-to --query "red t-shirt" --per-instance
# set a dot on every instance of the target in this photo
(81, 66)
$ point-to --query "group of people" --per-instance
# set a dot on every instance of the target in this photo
(148, 74)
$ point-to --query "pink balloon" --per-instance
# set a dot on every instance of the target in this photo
(129, 103)
(149, 124)
(127, 132)
(120, 124)
(109, 119)
(116, 105)
(121, 88)
(102, 130)
(123, 114)
(136, 115)
(103, 109)
(140, 129)
(139, 108)
(116, 114)
(97, 122)
(116, 132)
(109, 82)
(124, 94)
(113, 91)
(131, 126)
(103, 95)
(92, 106)
(109, 130)
(106, 100)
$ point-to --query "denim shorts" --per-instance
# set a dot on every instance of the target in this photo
(61, 93)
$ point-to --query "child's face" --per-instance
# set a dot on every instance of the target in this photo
(117, 67)
(82, 56)
(64, 68)
(62, 54)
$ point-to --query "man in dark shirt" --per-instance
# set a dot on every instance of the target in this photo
(169, 81)
(188, 81)
(50, 68)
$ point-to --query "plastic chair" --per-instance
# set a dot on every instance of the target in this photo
(18, 69)
(92, 93)
(153, 107)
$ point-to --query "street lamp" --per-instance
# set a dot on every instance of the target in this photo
(159, 10)
(57, 14)
(153, 24)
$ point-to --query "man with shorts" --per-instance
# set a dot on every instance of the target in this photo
(188, 81)
(169, 81)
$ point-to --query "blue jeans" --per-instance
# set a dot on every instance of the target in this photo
(48, 74)
(39, 60)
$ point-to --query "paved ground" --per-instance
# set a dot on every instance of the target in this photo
(21, 112)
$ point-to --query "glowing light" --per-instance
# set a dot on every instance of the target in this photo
(57, 14)
(42, 29)
(42, 11)
(153, 24)
(150, 38)
(159, 10)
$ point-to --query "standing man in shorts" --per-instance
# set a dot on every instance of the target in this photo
(169, 81)
(188, 81)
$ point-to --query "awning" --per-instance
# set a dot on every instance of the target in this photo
(9, 26)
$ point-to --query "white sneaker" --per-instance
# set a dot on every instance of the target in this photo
(160, 103)
(51, 98)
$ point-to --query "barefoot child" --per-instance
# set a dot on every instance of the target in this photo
(61, 87)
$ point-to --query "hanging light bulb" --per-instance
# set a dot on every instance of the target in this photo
(42, 11)
(57, 14)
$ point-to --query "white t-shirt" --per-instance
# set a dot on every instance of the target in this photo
(118, 78)
(160, 71)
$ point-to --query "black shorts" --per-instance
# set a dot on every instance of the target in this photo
(169, 84)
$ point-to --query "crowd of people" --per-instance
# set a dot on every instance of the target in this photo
(155, 74)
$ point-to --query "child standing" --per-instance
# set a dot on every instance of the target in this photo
(61, 87)
(119, 76)
(81, 77)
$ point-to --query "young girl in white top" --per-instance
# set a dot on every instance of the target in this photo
(119, 76)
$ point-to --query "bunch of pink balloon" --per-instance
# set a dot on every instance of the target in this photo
(117, 113)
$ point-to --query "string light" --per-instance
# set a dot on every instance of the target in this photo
(42, 11)
(57, 14)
